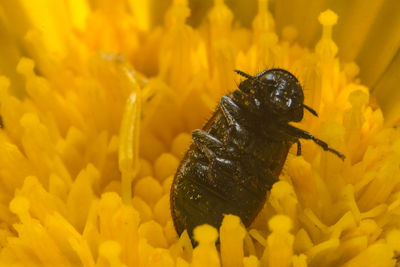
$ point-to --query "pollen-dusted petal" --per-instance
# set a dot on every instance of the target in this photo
(263, 22)
(110, 251)
(393, 240)
(326, 50)
(383, 183)
(120, 222)
(289, 33)
(178, 46)
(79, 10)
(81, 195)
(153, 233)
(302, 241)
(283, 199)
(300, 260)
(91, 233)
(146, 168)
(263, 47)
(29, 231)
(42, 203)
(330, 163)
(165, 165)
(349, 248)
(367, 228)
(375, 253)
(220, 49)
(143, 208)
(46, 17)
(20, 206)
(141, 11)
(71, 149)
(14, 175)
(205, 254)
(205, 234)
(183, 247)
(232, 234)
(328, 18)
(150, 256)
(11, 108)
(353, 38)
(353, 120)
(280, 242)
(149, 189)
(108, 206)
(323, 251)
(220, 18)
(251, 261)
(76, 247)
(346, 222)
(151, 147)
(181, 262)
(169, 231)
(381, 37)
(388, 99)
(351, 203)
(161, 210)
(303, 180)
(315, 227)
(167, 183)
(180, 144)
(34, 133)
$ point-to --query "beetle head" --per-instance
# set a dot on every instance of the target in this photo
(278, 92)
(282, 94)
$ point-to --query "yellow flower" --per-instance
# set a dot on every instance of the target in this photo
(98, 99)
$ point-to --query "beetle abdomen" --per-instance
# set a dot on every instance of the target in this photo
(229, 179)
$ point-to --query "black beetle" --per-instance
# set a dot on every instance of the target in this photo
(238, 155)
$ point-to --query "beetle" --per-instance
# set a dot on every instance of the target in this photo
(238, 155)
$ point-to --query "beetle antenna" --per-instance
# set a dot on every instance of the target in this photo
(248, 76)
(244, 74)
(311, 110)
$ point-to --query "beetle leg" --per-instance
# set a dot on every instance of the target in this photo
(298, 148)
(233, 114)
(299, 133)
(211, 146)
(218, 155)
(207, 143)
(231, 111)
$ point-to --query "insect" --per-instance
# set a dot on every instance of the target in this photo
(238, 155)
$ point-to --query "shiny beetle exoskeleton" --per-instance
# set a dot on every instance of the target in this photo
(238, 155)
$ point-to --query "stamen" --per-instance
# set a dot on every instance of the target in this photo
(128, 153)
